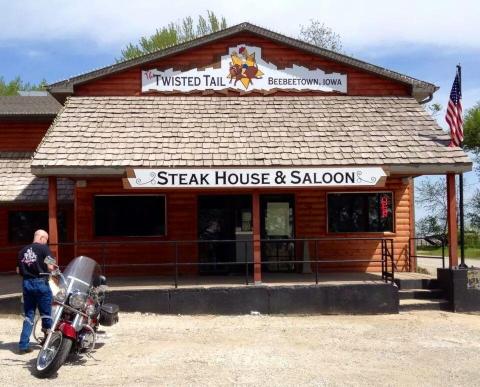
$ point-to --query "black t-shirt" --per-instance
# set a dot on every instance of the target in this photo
(31, 260)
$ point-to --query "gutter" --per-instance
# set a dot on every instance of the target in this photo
(406, 169)
(427, 100)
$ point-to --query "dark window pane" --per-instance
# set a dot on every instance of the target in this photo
(360, 212)
(129, 215)
(23, 224)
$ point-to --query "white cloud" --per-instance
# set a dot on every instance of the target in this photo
(360, 23)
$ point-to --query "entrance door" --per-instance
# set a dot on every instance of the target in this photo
(226, 218)
(277, 223)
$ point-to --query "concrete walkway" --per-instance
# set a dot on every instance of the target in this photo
(431, 264)
(11, 285)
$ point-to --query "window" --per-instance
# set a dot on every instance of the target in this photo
(136, 215)
(360, 212)
(23, 224)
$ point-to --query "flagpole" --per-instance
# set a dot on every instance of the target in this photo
(462, 223)
(462, 226)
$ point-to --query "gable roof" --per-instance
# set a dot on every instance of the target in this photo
(20, 106)
(420, 89)
(104, 135)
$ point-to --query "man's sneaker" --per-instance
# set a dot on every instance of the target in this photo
(23, 351)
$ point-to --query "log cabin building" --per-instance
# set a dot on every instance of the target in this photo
(240, 150)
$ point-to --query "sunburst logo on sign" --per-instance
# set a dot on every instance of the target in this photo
(243, 68)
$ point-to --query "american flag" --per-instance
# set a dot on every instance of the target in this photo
(454, 111)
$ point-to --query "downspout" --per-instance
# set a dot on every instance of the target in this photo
(426, 100)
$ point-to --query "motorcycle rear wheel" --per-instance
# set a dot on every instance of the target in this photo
(49, 360)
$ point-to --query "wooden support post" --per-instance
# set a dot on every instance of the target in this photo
(75, 220)
(52, 216)
(412, 263)
(452, 221)
(257, 253)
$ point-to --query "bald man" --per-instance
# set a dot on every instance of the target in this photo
(36, 291)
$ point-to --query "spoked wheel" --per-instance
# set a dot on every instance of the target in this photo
(50, 359)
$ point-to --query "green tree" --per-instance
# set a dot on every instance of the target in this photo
(16, 85)
(431, 195)
(471, 131)
(433, 108)
(318, 34)
(428, 226)
(473, 214)
(174, 33)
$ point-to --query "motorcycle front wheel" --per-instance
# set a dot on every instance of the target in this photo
(50, 359)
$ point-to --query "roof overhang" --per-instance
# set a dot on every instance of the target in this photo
(27, 117)
(120, 171)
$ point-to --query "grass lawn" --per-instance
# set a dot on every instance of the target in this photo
(470, 252)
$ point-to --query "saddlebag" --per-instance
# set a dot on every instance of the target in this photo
(109, 314)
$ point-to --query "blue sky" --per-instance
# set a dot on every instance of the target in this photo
(57, 39)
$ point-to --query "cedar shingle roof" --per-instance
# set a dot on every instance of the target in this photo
(421, 89)
(106, 134)
(16, 105)
(18, 184)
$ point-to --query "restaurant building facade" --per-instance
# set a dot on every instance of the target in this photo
(241, 151)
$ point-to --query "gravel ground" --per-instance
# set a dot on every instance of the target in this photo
(414, 349)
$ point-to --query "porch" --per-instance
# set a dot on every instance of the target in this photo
(279, 293)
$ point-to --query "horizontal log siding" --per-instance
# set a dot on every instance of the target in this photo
(128, 82)
(8, 251)
(311, 222)
(181, 225)
(21, 136)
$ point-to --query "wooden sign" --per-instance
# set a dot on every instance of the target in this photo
(251, 178)
(244, 69)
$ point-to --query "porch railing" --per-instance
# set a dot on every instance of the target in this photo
(176, 255)
(413, 244)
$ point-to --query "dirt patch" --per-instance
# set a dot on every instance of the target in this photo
(422, 348)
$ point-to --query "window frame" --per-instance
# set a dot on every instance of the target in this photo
(63, 233)
(394, 212)
(165, 221)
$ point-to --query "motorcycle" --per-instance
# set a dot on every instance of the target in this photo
(77, 311)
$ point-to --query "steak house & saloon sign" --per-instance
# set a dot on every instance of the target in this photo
(251, 178)
(243, 69)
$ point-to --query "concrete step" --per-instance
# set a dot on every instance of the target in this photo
(413, 305)
(421, 283)
(420, 294)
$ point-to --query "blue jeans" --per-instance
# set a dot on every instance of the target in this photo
(36, 293)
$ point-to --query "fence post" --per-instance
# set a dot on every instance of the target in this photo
(245, 245)
(384, 271)
(409, 251)
(392, 254)
(176, 264)
(316, 262)
(443, 253)
(103, 259)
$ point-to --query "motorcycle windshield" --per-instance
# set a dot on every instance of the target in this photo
(81, 273)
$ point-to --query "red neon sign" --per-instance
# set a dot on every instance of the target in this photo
(384, 206)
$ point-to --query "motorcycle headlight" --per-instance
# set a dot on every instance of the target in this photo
(61, 295)
(77, 300)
